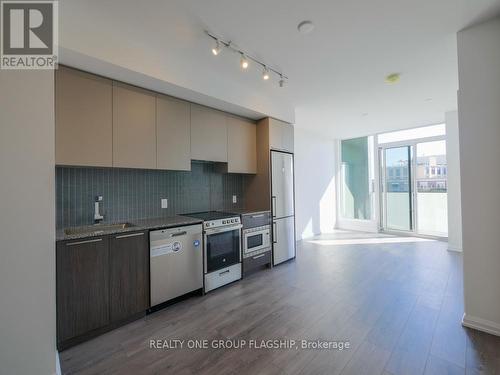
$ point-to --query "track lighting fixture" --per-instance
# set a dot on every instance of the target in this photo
(217, 48)
(265, 74)
(245, 59)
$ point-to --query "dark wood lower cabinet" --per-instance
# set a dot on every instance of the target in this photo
(129, 275)
(82, 286)
(256, 262)
(102, 282)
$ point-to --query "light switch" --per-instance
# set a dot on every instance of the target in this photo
(235, 199)
(164, 203)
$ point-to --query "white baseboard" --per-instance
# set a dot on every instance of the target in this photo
(481, 324)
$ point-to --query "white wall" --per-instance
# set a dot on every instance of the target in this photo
(27, 223)
(314, 184)
(454, 194)
(479, 126)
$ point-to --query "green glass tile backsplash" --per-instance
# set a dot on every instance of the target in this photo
(130, 194)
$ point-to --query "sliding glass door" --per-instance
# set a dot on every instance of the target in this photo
(413, 188)
(396, 188)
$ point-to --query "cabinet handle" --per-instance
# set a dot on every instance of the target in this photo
(179, 234)
(130, 235)
(223, 272)
(259, 256)
(84, 242)
(256, 216)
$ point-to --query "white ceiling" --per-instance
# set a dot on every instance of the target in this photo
(336, 72)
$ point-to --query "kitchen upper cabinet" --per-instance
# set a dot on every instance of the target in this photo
(84, 122)
(129, 275)
(280, 135)
(82, 287)
(241, 146)
(173, 134)
(208, 134)
(134, 127)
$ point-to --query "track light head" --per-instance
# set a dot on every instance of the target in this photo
(217, 48)
(282, 81)
(244, 61)
(265, 74)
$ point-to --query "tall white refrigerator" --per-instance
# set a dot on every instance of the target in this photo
(282, 206)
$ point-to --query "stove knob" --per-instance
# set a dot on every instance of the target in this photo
(223, 221)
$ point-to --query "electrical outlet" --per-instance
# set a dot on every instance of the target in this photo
(235, 199)
(164, 203)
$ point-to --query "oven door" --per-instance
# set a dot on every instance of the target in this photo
(222, 248)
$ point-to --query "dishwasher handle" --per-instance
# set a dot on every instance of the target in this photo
(178, 234)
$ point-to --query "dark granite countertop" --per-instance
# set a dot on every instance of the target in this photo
(136, 225)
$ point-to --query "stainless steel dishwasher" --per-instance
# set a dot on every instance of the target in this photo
(176, 262)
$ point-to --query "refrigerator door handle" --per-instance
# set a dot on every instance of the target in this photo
(273, 203)
(275, 230)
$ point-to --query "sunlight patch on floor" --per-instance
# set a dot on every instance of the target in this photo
(367, 241)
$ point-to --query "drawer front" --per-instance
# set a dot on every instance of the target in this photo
(222, 277)
(256, 261)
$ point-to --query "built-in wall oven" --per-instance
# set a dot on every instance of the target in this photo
(257, 244)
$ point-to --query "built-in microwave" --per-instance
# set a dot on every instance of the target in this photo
(256, 239)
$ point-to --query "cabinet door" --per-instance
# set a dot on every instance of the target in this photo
(241, 146)
(84, 125)
(283, 240)
(173, 134)
(280, 135)
(288, 137)
(82, 286)
(208, 134)
(129, 275)
(134, 127)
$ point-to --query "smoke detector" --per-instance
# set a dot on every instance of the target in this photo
(393, 78)
(305, 27)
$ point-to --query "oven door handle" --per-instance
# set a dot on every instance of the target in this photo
(221, 230)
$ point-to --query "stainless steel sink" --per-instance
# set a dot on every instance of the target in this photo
(97, 228)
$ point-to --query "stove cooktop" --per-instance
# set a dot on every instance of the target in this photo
(216, 219)
(210, 215)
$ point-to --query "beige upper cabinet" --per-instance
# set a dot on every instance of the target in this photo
(84, 127)
(134, 127)
(280, 135)
(241, 146)
(173, 132)
(208, 134)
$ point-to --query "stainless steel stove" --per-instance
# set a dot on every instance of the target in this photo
(222, 248)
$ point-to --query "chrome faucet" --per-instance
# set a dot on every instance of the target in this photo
(97, 216)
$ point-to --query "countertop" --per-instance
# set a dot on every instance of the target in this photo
(137, 225)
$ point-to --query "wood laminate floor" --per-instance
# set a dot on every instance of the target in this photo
(398, 301)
